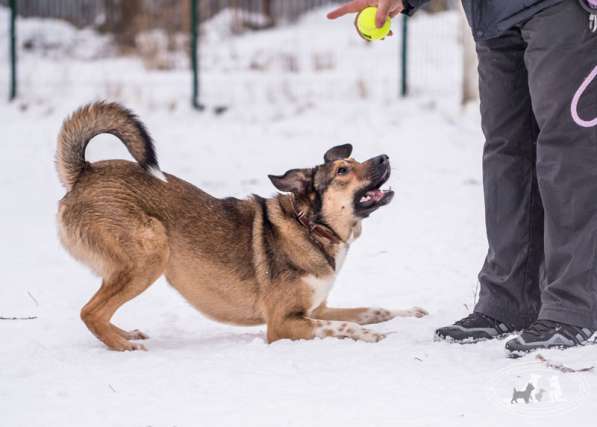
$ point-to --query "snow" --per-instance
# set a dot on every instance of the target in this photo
(285, 110)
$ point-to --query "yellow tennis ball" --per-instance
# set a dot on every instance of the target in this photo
(366, 27)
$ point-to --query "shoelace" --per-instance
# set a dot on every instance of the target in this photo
(474, 318)
(576, 333)
(538, 327)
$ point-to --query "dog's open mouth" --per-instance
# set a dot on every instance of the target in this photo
(373, 197)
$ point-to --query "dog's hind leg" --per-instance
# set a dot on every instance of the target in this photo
(146, 253)
(364, 315)
(135, 334)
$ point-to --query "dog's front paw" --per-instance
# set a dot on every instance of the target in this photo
(418, 312)
(410, 312)
(370, 336)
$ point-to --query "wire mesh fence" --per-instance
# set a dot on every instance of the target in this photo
(430, 60)
(170, 14)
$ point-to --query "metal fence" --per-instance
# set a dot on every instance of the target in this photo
(163, 13)
(173, 14)
(124, 19)
(81, 13)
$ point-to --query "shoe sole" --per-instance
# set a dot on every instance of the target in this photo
(470, 340)
(517, 354)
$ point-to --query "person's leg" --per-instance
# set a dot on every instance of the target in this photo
(509, 290)
(561, 53)
(509, 278)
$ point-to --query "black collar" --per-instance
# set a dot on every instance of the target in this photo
(315, 230)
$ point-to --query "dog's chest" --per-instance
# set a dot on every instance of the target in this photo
(321, 286)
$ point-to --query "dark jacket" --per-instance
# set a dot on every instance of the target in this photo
(490, 18)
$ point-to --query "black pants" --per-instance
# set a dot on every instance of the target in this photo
(540, 171)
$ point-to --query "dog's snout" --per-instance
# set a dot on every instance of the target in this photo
(381, 160)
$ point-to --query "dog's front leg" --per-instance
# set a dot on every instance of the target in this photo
(298, 327)
(364, 315)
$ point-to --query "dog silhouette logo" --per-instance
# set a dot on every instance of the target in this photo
(533, 390)
(524, 394)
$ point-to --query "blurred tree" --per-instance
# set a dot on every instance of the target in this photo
(267, 17)
(437, 6)
(122, 19)
(266, 7)
(470, 76)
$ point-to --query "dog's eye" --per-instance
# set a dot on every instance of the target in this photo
(342, 170)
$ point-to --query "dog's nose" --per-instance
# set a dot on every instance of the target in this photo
(382, 159)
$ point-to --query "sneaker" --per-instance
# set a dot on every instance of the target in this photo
(474, 327)
(543, 334)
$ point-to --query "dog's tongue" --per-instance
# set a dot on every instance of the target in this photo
(372, 195)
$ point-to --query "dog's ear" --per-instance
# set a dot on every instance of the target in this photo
(297, 181)
(338, 152)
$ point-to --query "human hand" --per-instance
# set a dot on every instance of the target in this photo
(385, 9)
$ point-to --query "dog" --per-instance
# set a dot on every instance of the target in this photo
(524, 395)
(255, 261)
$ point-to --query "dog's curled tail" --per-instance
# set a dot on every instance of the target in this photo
(94, 119)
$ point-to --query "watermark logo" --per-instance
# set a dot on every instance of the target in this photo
(535, 390)
(540, 389)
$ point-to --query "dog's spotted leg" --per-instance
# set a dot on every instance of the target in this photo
(296, 328)
(365, 316)
(339, 329)
(377, 315)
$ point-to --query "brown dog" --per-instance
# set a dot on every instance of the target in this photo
(244, 262)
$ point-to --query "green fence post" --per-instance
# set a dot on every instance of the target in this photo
(404, 58)
(194, 54)
(13, 50)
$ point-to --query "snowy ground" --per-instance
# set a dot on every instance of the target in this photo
(424, 249)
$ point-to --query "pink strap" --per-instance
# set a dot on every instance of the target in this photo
(574, 106)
